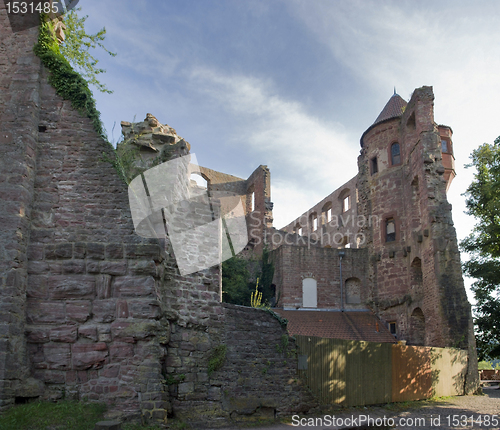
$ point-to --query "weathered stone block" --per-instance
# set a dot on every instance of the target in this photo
(45, 312)
(95, 251)
(78, 310)
(119, 351)
(57, 355)
(104, 311)
(133, 286)
(89, 355)
(88, 332)
(113, 267)
(141, 308)
(67, 286)
(103, 286)
(67, 334)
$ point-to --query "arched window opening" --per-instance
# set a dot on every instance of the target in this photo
(309, 293)
(353, 291)
(374, 165)
(417, 327)
(416, 272)
(198, 181)
(346, 203)
(313, 220)
(327, 213)
(395, 154)
(390, 230)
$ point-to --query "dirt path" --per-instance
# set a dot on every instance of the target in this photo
(453, 413)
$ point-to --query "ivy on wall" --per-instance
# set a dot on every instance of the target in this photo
(67, 83)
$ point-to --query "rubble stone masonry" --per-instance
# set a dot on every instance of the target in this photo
(89, 309)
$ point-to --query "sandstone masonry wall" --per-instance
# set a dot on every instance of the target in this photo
(89, 309)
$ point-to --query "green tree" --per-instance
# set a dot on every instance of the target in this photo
(77, 45)
(483, 245)
(235, 286)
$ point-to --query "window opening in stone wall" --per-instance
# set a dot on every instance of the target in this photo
(393, 328)
(314, 222)
(444, 145)
(309, 293)
(395, 154)
(346, 204)
(253, 202)
(374, 165)
(327, 213)
(198, 180)
(416, 274)
(353, 291)
(417, 327)
(390, 230)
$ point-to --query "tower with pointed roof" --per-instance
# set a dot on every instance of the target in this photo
(404, 262)
(405, 168)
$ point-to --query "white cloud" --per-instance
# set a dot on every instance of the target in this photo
(308, 158)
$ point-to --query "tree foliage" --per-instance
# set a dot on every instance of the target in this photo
(483, 245)
(77, 47)
(237, 288)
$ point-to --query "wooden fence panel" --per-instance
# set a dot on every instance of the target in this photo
(356, 373)
(448, 366)
(368, 373)
(325, 372)
(411, 373)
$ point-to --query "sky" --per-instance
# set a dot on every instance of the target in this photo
(293, 84)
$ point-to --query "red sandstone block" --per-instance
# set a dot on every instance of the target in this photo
(119, 351)
(37, 335)
(71, 286)
(103, 286)
(67, 334)
(78, 310)
(57, 355)
(110, 370)
(45, 312)
(122, 309)
(89, 355)
(104, 310)
(113, 267)
(144, 308)
(88, 332)
(134, 286)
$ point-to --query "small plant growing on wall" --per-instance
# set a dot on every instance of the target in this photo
(217, 358)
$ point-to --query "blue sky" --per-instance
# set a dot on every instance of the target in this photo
(293, 84)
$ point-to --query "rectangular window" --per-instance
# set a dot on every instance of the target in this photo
(346, 204)
(444, 146)
(390, 230)
(329, 215)
(392, 328)
(374, 165)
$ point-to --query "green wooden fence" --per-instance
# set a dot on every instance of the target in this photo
(354, 373)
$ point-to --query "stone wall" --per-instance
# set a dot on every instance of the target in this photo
(90, 309)
(295, 263)
(258, 378)
(19, 118)
(338, 223)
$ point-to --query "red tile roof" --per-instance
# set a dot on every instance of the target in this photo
(337, 325)
(393, 109)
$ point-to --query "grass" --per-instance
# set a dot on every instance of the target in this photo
(61, 416)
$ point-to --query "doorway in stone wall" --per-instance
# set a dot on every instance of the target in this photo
(417, 327)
